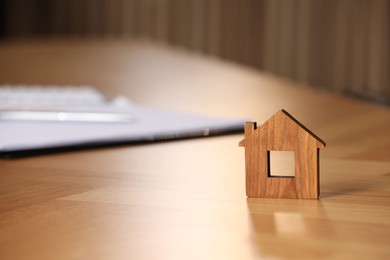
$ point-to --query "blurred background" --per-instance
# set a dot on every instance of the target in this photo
(341, 45)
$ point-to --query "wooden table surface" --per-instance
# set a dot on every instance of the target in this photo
(186, 199)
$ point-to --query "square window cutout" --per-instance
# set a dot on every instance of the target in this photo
(281, 164)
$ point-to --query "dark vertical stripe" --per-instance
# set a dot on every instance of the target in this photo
(3, 18)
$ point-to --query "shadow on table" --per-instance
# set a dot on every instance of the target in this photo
(343, 177)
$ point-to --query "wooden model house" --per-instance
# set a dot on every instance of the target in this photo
(281, 132)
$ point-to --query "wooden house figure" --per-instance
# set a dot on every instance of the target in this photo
(282, 132)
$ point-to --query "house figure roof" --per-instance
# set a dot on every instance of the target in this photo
(284, 114)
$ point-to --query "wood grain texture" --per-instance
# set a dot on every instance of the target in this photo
(186, 199)
(281, 132)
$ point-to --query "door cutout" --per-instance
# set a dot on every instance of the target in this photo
(281, 164)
